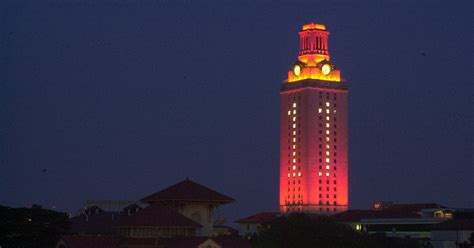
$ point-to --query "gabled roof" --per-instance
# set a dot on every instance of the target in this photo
(258, 218)
(157, 215)
(187, 190)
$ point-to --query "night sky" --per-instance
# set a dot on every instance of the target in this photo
(119, 99)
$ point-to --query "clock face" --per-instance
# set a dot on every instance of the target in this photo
(326, 69)
(297, 70)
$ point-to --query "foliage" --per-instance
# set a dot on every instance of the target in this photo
(300, 231)
(31, 227)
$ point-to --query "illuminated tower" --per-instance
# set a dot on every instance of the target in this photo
(314, 130)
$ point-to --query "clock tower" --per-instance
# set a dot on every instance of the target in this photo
(314, 130)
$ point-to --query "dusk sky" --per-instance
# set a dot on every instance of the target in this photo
(119, 99)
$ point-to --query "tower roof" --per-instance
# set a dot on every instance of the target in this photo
(188, 190)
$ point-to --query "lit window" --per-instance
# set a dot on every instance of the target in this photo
(328, 118)
(320, 173)
(294, 112)
(327, 160)
(294, 139)
(294, 132)
(294, 167)
(294, 174)
(327, 153)
(294, 160)
(294, 125)
(328, 104)
(294, 118)
(294, 105)
(327, 111)
(320, 110)
(327, 139)
(288, 174)
(327, 146)
(327, 132)
(334, 111)
(358, 227)
(294, 146)
(289, 112)
(327, 167)
(327, 174)
(299, 174)
(294, 153)
(327, 124)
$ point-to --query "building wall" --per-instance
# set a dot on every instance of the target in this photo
(314, 150)
(202, 214)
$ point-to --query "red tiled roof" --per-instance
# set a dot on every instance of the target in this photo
(93, 241)
(157, 215)
(187, 190)
(258, 218)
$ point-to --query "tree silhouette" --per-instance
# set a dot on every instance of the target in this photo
(31, 227)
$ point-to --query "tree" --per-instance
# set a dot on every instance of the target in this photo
(31, 227)
(301, 230)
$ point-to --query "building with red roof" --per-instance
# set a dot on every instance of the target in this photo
(253, 224)
(181, 215)
(192, 200)
(156, 220)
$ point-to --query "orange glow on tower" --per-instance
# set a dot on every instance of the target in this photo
(314, 130)
(313, 59)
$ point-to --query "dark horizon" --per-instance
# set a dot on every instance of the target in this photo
(120, 99)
